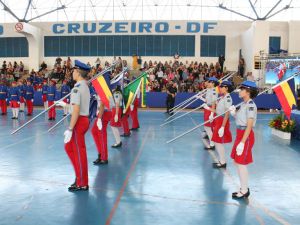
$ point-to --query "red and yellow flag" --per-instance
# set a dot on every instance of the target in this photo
(103, 90)
(286, 95)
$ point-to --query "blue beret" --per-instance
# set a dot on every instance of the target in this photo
(249, 84)
(225, 83)
(213, 79)
(82, 66)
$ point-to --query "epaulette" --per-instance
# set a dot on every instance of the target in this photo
(251, 102)
(77, 85)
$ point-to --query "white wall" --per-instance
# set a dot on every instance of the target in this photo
(250, 37)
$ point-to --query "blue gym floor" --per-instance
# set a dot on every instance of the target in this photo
(145, 182)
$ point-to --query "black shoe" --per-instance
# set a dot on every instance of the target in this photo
(236, 196)
(134, 129)
(21, 110)
(97, 161)
(64, 115)
(3, 114)
(74, 184)
(77, 188)
(219, 165)
(117, 145)
(13, 118)
(53, 118)
(125, 135)
(50, 118)
(103, 162)
(210, 148)
(29, 114)
(171, 114)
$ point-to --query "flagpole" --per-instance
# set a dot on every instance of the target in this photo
(55, 125)
(55, 103)
(200, 125)
(183, 103)
(195, 96)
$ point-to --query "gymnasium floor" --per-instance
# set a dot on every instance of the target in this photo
(145, 182)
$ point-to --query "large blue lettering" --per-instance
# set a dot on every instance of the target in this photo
(208, 25)
(162, 27)
(105, 27)
(73, 27)
(133, 27)
(58, 28)
(120, 27)
(193, 27)
(1, 30)
(86, 28)
(145, 26)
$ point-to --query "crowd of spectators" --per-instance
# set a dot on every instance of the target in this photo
(188, 76)
(12, 71)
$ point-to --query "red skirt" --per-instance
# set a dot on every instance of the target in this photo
(112, 121)
(246, 157)
(44, 98)
(227, 137)
(14, 104)
(206, 118)
(22, 100)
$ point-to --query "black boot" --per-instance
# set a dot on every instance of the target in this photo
(78, 188)
(97, 161)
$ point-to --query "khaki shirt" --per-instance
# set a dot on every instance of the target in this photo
(80, 95)
(247, 111)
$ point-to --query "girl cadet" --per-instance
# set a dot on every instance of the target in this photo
(210, 100)
(242, 149)
(116, 116)
(221, 129)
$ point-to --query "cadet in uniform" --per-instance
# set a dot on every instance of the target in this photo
(171, 91)
(3, 97)
(134, 112)
(245, 119)
(22, 89)
(210, 99)
(29, 97)
(221, 130)
(14, 98)
(44, 94)
(125, 124)
(51, 92)
(75, 135)
(115, 121)
(65, 90)
(99, 132)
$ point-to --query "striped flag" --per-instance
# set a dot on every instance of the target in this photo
(143, 91)
(131, 90)
(286, 95)
(101, 85)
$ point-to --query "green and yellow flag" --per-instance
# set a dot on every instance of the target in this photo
(131, 90)
(143, 91)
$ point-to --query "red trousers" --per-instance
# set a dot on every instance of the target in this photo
(76, 151)
(44, 98)
(125, 123)
(134, 115)
(52, 111)
(3, 106)
(246, 157)
(29, 104)
(100, 136)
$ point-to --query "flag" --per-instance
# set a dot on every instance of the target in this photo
(131, 90)
(285, 92)
(118, 81)
(102, 87)
(143, 91)
(280, 70)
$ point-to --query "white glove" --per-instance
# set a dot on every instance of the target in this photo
(232, 110)
(240, 148)
(221, 132)
(131, 107)
(211, 116)
(60, 103)
(99, 124)
(31, 100)
(18, 103)
(205, 106)
(68, 136)
(116, 118)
